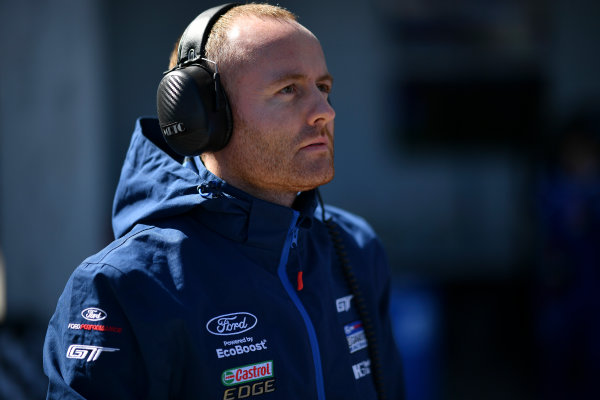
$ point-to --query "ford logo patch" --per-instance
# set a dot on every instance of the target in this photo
(93, 314)
(231, 324)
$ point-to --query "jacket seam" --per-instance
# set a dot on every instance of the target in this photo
(125, 240)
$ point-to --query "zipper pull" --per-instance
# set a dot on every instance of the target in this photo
(300, 282)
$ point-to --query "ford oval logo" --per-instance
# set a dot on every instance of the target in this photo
(231, 324)
(93, 314)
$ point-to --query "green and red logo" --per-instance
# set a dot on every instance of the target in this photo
(247, 373)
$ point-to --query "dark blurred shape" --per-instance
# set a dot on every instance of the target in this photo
(568, 265)
(21, 375)
(473, 113)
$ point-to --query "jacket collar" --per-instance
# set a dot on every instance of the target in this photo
(249, 219)
(156, 183)
(260, 225)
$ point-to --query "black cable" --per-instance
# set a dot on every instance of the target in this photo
(359, 302)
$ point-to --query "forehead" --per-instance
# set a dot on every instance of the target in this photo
(269, 48)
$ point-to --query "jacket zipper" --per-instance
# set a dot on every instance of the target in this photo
(290, 240)
(294, 244)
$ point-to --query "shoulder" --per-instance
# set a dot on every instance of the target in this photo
(142, 245)
(147, 261)
(145, 254)
(353, 224)
(362, 247)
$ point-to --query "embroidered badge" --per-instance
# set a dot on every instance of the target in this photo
(355, 335)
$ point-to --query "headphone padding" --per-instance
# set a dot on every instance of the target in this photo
(190, 119)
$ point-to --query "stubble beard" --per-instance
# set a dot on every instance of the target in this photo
(266, 161)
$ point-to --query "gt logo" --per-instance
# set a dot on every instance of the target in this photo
(258, 388)
(81, 351)
(343, 303)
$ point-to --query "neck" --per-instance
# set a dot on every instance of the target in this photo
(283, 198)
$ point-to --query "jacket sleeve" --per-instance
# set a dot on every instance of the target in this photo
(91, 351)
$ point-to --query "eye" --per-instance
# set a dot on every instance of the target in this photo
(290, 89)
(323, 87)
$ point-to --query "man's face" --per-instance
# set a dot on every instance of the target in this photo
(283, 124)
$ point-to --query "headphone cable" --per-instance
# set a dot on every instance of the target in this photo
(359, 300)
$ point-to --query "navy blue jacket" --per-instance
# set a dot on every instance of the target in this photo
(210, 293)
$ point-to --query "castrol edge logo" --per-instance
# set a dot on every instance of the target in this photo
(231, 324)
(247, 373)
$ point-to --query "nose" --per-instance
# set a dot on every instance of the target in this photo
(321, 111)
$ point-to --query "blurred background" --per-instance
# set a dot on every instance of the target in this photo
(467, 133)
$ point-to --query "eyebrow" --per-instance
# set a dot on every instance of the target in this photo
(292, 76)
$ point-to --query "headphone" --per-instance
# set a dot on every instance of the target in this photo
(193, 110)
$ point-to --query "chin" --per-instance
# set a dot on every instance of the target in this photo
(327, 179)
(316, 181)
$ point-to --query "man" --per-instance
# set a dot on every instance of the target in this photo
(227, 279)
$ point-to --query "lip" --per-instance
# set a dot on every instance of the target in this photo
(316, 144)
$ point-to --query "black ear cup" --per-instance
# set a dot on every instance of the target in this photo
(193, 110)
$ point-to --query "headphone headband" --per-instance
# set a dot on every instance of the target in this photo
(195, 36)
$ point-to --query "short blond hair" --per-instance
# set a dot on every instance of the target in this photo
(218, 48)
